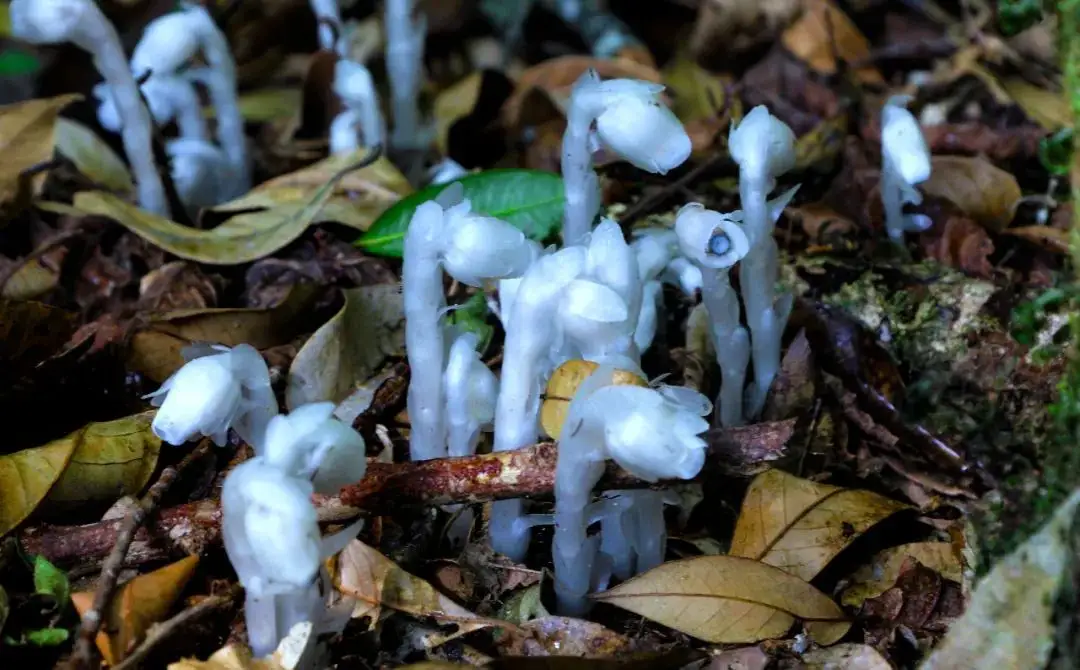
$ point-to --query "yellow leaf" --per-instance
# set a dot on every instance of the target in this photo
(110, 460)
(799, 525)
(727, 599)
(268, 104)
(696, 92)
(138, 605)
(30, 281)
(5, 20)
(155, 352)
(879, 575)
(357, 200)
(350, 347)
(849, 656)
(27, 138)
(562, 385)
(1049, 109)
(26, 477)
(453, 103)
(976, 186)
(376, 582)
(823, 33)
(241, 239)
(1009, 620)
(92, 156)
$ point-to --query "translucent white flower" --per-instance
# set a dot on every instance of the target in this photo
(50, 21)
(168, 43)
(708, 238)
(653, 434)
(478, 248)
(762, 144)
(591, 312)
(310, 443)
(270, 528)
(219, 389)
(902, 143)
(471, 393)
(637, 126)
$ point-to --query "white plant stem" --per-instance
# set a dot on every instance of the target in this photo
(581, 185)
(405, 60)
(731, 342)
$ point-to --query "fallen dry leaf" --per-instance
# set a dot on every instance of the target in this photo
(155, 351)
(137, 605)
(1009, 619)
(562, 386)
(824, 33)
(454, 103)
(733, 26)
(375, 582)
(819, 148)
(358, 198)
(565, 636)
(31, 280)
(697, 93)
(1051, 239)
(977, 187)
(880, 573)
(350, 347)
(27, 138)
(93, 157)
(292, 653)
(99, 462)
(799, 525)
(848, 656)
(30, 332)
(269, 104)
(962, 244)
(728, 599)
(1047, 108)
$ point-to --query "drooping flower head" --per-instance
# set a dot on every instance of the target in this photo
(710, 239)
(762, 145)
(311, 444)
(902, 143)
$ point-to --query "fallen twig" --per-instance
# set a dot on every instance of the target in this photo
(387, 487)
(165, 629)
(83, 656)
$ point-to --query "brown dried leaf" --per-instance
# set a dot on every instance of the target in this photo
(563, 385)
(27, 138)
(977, 187)
(880, 574)
(824, 33)
(350, 347)
(155, 351)
(821, 222)
(734, 26)
(454, 103)
(728, 599)
(31, 280)
(799, 525)
(849, 656)
(375, 582)
(565, 636)
(138, 605)
(1051, 239)
(1049, 109)
(964, 245)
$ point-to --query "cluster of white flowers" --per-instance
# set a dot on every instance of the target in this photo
(269, 523)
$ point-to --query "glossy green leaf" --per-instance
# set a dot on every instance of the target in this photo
(532, 200)
(51, 581)
(471, 317)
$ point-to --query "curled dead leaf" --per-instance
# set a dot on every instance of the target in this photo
(155, 351)
(564, 383)
(350, 347)
(824, 33)
(137, 605)
(728, 599)
(977, 187)
(27, 138)
(799, 526)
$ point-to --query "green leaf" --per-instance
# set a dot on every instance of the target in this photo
(532, 200)
(51, 581)
(13, 63)
(471, 317)
(1055, 152)
(47, 637)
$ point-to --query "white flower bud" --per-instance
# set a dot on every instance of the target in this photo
(214, 392)
(642, 130)
(903, 145)
(653, 434)
(478, 248)
(710, 239)
(270, 529)
(168, 43)
(311, 444)
(49, 21)
(592, 312)
(762, 144)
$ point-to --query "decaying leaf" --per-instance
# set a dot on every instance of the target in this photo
(977, 187)
(819, 148)
(92, 156)
(1051, 239)
(100, 461)
(1049, 109)
(155, 351)
(269, 104)
(849, 656)
(799, 525)
(1009, 622)
(824, 33)
(31, 280)
(27, 138)
(357, 200)
(294, 652)
(734, 26)
(349, 348)
(698, 93)
(139, 604)
(375, 582)
(564, 383)
(565, 636)
(30, 332)
(880, 573)
(728, 599)
(453, 103)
